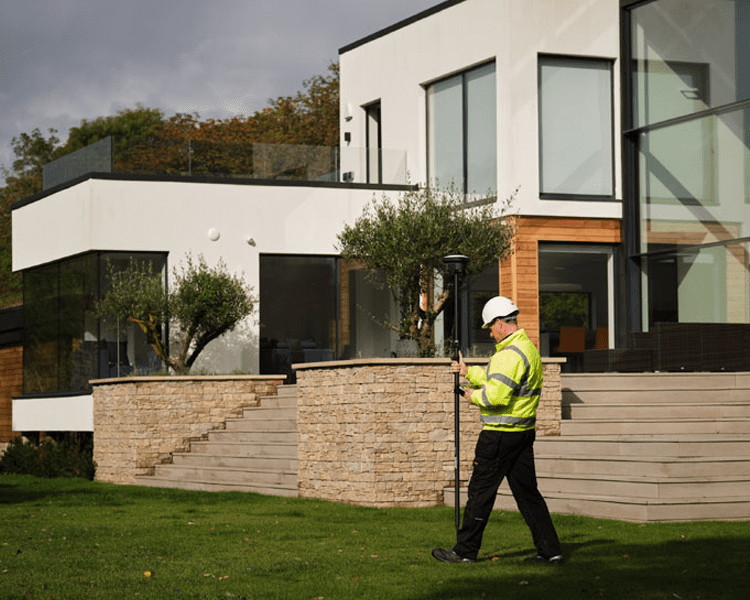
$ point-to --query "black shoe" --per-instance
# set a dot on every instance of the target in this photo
(450, 556)
(541, 560)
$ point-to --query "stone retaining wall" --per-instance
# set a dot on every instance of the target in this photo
(139, 421)
(380, 432)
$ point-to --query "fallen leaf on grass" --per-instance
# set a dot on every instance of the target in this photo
(147, 573)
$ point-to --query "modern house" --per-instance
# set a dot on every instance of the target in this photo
(619, 127)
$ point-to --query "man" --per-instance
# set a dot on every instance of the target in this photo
(507, 393)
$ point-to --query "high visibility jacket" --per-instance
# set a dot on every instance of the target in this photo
(509, 387)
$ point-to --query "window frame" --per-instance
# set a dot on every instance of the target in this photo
(612, 196)
(462, 74)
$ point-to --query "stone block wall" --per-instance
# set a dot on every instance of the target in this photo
(139, 421)
(380, 432)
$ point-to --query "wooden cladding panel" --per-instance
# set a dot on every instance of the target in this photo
(519, 274)
(11, 384)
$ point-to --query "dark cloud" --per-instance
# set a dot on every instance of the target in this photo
(64, 60)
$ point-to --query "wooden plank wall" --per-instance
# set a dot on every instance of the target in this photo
(11, 384)
(519, 274)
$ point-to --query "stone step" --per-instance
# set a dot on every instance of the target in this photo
(245, 449)
(266, 412)
(646, 467)
(654, 383)
(262, 423)
(676, 427)
(668, 396)
(254, 453)
(250, 463)
(269, 490)
(644, 445)
(228, 476)
(646, 487)
(287, 398)
(660, 411)
(639, 510)
(253, 437)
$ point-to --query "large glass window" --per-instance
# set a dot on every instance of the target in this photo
(123, 347)
(575, 127)
(462, 131)
(65, 343)
(689, 148)
(683, 49)
(321, 308)
(576, 301)
(297, 311)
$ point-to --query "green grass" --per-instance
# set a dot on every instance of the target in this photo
(72, 539)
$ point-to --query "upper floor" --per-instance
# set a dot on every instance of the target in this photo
(494, 96)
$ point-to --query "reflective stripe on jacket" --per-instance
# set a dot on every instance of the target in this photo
(509, 387)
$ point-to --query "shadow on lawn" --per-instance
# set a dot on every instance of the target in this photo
(66, 491)
(30, 491)
(710, 568)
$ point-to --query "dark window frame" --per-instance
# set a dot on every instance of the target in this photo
(612, 197)
(464, 120)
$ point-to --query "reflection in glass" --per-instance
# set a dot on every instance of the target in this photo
(297, 311)
(698, 285)
(681, 50)
(694, 181)
(66, 344)
(575, 126)
(462, 131)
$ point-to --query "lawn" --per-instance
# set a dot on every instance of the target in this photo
(74, 539)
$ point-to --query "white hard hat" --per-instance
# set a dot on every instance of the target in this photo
(497, 307)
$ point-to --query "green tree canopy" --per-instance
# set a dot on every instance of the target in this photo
(204, 303)
(144, 140)
(24, 179)
(406, 240)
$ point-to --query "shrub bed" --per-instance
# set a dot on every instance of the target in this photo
(64, 455)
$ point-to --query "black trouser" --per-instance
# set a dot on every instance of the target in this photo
(502, 454)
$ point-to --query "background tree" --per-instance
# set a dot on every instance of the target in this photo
(206, 302)
(186, 144)
(405, 241)
(24, 179)
(128, 128)
(144, 141)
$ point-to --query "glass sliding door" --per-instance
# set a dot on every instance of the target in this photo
(298, 310)
(576, 300)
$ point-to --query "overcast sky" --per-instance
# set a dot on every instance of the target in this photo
(65, 60)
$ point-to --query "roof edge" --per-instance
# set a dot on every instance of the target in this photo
(210, 180)
(396, 26)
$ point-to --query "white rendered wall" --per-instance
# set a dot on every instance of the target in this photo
(396, 67)
(176, 217)
(63, 413)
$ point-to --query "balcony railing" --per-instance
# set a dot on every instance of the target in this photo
(188, 157)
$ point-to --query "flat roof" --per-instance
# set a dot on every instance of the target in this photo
(418, 17)
(247, 181)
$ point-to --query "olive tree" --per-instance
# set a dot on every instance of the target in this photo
(406, 239)
(204, 302)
